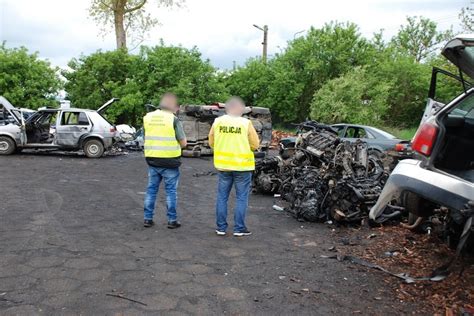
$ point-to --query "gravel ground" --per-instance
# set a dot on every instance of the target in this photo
(72, 240)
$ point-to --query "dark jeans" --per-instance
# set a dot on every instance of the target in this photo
(171, 179)
(241, 180)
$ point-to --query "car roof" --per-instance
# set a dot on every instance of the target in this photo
(371, 128)
(64, 110)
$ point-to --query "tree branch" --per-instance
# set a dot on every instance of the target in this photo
(137, 7)
(105, 4)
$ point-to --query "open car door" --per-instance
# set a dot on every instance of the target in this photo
(460, 51)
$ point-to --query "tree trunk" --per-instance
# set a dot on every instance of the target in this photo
(120, 34)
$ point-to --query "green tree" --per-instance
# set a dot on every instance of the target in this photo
(420, 37)
(407, 97)
(128, 18)
(251, 82)
(309, 62)
(182, 71)
(25, 80)
(101, 76)
(467, 18)
(356, 97)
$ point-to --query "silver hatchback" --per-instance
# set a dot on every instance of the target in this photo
(60, 129)
(443, 173)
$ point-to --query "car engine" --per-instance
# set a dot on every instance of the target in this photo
(325, 178)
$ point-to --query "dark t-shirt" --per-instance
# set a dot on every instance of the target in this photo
(169, 162)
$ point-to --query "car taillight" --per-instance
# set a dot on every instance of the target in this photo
(425, 138)
(400, 147)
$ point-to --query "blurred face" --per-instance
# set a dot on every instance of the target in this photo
(170, 103)
(235, 108)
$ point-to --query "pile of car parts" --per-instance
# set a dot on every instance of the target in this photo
(325, 178)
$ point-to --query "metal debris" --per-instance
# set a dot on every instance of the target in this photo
(404, 276)
(325, 178)
(126, 298)
(204, 174)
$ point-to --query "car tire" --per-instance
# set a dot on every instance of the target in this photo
(93, 148)
(376, 153)
(7, 145)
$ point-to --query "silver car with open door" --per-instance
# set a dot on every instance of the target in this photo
(443, 173)
(57, 129)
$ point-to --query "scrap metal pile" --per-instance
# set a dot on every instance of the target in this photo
(325, 178)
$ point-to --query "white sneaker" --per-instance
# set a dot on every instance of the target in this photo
(220, 233)
(242, 234)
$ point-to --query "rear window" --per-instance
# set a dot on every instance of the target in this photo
(465, 107)
(96, 118)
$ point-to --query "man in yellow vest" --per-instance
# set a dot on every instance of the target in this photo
(164, 138)
(233, 139)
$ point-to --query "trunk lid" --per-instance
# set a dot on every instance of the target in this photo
(106, 105)
(460, 51)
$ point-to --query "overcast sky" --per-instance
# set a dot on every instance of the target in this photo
(221, 29)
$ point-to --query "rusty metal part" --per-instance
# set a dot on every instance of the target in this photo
(413, 226)
(326, 178)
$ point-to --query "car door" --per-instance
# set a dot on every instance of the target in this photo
(72, 125)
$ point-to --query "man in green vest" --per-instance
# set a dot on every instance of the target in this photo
(164, 138)
(234, 139)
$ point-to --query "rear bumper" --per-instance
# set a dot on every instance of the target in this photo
(434, 186)
(108, 142)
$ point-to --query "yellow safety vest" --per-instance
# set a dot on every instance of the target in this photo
(231, 144)
(160, 136)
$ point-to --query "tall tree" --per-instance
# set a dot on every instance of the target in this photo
(25, 80)
(96, 78)
(420, 37)
(179, 70)
(128, 18)
(310, 61)
(467, 18)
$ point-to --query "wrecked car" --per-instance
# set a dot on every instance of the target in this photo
(197, 121)
(437, 188)
(326, 178)
(57, 129)
(380, 143)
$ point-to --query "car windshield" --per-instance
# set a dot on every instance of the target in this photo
(383, 133)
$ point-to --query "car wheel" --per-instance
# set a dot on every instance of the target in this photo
(7, 145)
(376, 153)
(94, 148)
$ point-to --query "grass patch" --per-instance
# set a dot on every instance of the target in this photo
(402, 133)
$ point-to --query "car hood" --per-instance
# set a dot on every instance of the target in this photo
(460, 51)
(11, 109)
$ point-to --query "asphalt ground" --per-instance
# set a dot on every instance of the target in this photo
(72, 242)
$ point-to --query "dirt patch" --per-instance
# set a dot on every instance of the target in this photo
(402, 251)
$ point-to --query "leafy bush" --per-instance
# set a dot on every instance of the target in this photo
(25, 80)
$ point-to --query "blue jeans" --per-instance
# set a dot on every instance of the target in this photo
(242, 181)
(171, 178)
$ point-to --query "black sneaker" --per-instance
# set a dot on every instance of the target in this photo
(242, 233)
(148, 223)
(173, 225)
